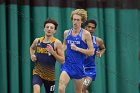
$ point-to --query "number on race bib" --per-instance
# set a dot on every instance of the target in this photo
(52, 88)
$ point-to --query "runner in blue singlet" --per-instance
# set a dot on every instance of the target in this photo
(75, 42)
(89, 64)
(74, 60)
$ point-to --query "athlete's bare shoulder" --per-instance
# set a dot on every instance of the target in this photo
(66, 33)
(86, 33)
(86, 36)
(58, 45)
(100, 43)
(35, 41)
(99, 40)
(58, 42)
(34, 44)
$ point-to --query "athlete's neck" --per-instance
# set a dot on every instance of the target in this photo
(76, 30)
(47, 38)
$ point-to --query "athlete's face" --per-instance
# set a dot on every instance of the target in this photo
(90, 27)
(76, 21)
(49, 29)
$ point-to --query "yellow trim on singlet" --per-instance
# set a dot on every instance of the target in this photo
(51, 41)
(41, 39)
